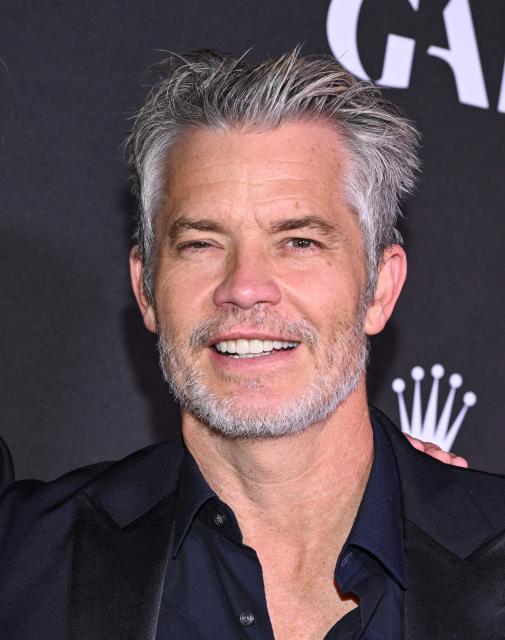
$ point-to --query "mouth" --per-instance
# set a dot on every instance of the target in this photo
(241, 348)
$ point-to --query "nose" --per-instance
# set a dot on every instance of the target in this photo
(248, 281)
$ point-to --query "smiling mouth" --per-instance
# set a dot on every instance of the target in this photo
(243, 348)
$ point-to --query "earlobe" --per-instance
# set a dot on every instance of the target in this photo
(137, 281)
(390, 280)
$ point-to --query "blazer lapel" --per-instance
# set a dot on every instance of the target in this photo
(118, 574)
(454, 545)
(452, 598)
(123, 524)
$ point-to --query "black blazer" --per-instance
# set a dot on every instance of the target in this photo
(84, 557)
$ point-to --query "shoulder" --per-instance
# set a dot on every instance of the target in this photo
(37, 531)
(439, 498)
(420, 463)
(34, 499)
(25, 498)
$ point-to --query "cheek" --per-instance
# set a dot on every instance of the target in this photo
(183, 298)
(327, 290)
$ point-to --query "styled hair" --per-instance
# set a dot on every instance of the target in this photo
(223, 92)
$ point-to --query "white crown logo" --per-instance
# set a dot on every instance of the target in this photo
(433, 428)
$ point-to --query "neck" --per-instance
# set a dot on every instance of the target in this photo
(273, 485)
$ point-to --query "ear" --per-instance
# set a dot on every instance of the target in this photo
(390, 279)
(137, 279)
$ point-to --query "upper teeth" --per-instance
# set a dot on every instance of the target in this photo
(242, 346)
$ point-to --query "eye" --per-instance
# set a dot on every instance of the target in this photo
(195, 246)
(303, 244)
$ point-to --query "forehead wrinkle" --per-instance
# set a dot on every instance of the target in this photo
(250, 171)
(253, 192)
(248, 183)
(194, 151)
(244, 164)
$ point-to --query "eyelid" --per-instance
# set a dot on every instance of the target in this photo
(187, 244)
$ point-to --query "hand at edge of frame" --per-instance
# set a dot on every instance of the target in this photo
(436, 452)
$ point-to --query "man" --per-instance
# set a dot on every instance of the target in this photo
(266, 255)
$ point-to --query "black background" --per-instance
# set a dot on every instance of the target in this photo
(79, 376)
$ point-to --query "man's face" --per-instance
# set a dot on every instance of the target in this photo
(259, 275)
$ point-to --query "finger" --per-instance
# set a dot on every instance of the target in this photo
(447, 457)
(459, 461)
(433, 449)
(430, 446)
(440, 454)
(417, 444)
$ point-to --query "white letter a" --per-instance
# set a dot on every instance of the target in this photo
(463, 54)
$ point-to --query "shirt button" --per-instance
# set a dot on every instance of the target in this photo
(219, 519)
(246, 618)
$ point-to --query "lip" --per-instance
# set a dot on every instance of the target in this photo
(250, 335)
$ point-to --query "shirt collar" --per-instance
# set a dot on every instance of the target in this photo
(378, 527)
(193, 493)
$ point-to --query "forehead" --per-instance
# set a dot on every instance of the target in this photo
(299, 160)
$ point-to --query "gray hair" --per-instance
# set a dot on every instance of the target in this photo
(211, 89)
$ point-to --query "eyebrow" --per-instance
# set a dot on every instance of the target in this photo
(186, 224)
(310, 221)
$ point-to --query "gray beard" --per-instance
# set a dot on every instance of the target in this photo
(338, 372)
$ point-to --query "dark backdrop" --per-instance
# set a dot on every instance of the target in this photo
(79, 376)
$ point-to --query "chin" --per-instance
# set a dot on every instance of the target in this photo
(238, 398)
(247, 415)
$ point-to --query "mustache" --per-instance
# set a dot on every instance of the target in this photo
(231, 319)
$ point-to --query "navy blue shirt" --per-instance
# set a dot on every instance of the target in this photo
(214, 587)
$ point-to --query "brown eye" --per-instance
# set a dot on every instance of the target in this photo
(302, 243)
(197, 245)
